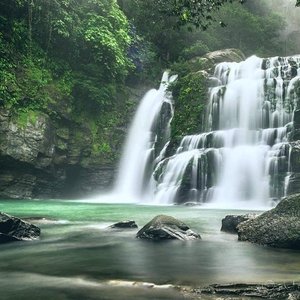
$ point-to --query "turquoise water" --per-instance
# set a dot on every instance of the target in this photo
(77, 257)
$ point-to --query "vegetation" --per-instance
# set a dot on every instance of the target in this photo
(76, 58)
(65, 55)
(190, 93)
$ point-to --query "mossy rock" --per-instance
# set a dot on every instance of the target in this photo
(164, 227)
(229, 55)
(279, 227)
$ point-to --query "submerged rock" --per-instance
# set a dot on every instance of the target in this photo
(124, 224)
(164, 227)
(15, 229)
(279, 227)
(230, 222)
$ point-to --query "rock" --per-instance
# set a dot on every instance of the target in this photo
(161, 130)
(124, 224)
(191, 204)
(279, 227)
(15, 229)
(284, 291)
(164, 227)
(230, 222)
(294, 180)
(228, 55)
(46, 157)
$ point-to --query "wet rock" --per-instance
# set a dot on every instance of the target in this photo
(230, 222)
(124, 224)
(164, 227)
(279, 227)
(294, 180)
(286, 291)
(15, 229)
(47, 157)
(191, 204)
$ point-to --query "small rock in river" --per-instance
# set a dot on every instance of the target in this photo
(124, 224)
(15, 229)
(164, 228)
(230, 222)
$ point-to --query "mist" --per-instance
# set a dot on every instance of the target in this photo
(290, 34)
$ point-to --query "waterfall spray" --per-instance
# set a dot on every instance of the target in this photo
(243, 158)
(142, 143)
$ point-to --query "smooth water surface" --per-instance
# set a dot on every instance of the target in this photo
(77, 256)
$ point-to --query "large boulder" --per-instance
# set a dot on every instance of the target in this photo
(230, 222)
(15, 229)
(279, 227)
(294, 180)
(228, 55)
(164, 227)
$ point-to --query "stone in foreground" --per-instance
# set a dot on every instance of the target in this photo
(164, 227)
(15, 229)
(286, 291)
(230, 222)
(279, 227)
(124, 224)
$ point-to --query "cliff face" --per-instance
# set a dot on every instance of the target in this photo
(46, 158)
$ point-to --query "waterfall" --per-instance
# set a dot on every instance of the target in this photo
(146, 142)
(243, 158)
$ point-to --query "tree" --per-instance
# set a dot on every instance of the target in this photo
(246, 30)
(196, 12)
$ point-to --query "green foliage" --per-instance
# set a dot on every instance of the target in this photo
(156, 27)
(91, 96)
(107, 35)
(70, 58)
(201, 13)
(197, 49)
(80, 33)
(252, 33)
(190, 95)
(25, 117)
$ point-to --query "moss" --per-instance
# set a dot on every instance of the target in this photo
(165, 220)
(22, 118)
(190, 96)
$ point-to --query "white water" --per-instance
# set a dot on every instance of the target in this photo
(243, 159)
(138, 154)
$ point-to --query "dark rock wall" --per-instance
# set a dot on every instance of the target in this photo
(49, 158)
(294, 180)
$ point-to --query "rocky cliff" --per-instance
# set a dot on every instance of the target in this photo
(55, 153)
(48, 158)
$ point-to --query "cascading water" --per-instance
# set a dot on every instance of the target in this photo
(243, 158)
(148, 135)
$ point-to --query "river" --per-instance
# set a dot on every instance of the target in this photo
(77, 257)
